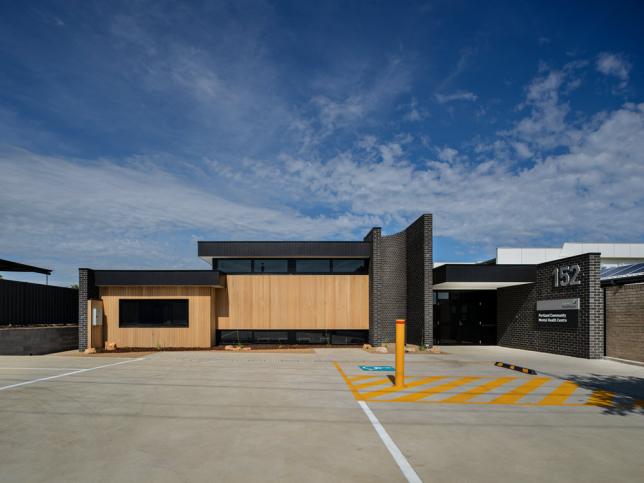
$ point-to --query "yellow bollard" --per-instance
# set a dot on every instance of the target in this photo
(400, 353)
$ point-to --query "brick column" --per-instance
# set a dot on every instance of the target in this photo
(86, 290)
(420, 312)
(375, 283)
(400, 283)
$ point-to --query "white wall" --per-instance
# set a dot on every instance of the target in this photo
(611, 253)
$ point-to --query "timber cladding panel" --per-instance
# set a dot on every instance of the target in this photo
(197, 334)
(293, 302)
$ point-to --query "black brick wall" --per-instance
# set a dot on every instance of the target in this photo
(393, 299)
(516, 312)
(86, 290)
(420, 312)
(400, 283)
(375, 283)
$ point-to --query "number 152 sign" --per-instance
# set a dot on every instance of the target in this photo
(567, 275)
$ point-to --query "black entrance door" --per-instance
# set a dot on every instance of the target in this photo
(465, 317)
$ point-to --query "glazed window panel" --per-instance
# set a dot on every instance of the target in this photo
(234, 266)
(270, 266)
(306, 265)
(153, 313)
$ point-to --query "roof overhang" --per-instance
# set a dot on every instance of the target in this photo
(209, 278)
(9, 266)
(208, 250)
(481, 277)
(610, 282)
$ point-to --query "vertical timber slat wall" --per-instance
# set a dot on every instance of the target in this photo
(95, 333)
(316, 302)
(197, 334)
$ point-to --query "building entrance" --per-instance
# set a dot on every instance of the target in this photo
(465, 317)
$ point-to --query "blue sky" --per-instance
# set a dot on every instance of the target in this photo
(128, 131)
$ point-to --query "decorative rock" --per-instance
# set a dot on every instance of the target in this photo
(229, 348)
(110, 346)
(411, 348)
(91, 350)
(367, 347)
(246, 348)
(381, 350)
(435, 350)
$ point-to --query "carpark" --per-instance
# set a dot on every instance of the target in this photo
(299, 416)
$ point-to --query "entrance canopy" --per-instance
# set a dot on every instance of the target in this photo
(455, 276)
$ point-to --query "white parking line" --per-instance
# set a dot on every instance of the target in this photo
(399, 458)
(38, 368)
(41, 379)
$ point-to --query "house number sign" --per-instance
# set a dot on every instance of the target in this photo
(567, 275)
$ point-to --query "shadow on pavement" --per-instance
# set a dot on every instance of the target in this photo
(628, 392)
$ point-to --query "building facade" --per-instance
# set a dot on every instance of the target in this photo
(279, 292)
(351, 292)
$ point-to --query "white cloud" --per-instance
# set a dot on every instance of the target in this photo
(415, 112)
(100, 213)
(346, 106)
(592, 190)
(545, 126)
(614, 65)
(447, 154)
(522, 150)
(456, 96)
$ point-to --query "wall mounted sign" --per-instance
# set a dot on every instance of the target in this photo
(376, 368)
(567, 275)
(558, 313)
(97, 316)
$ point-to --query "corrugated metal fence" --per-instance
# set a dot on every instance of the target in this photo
(23, 303)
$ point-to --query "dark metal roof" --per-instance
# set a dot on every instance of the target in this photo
(608, 282)
(9, 266)
(484, 273)
(622, 275)
(157, 277)
(284, 249)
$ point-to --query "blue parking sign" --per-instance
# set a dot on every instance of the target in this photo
(376, 368)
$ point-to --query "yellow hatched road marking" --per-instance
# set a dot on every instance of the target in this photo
(560, 395)
(557, 397)
(601, 398)
(393, 389)
(379, 382)
(521, 391)
(478, 390)
(436, 389)
(347, 382)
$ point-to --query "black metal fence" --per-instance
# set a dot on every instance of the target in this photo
(23, 303)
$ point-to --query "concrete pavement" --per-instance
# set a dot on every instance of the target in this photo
(203, 416)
